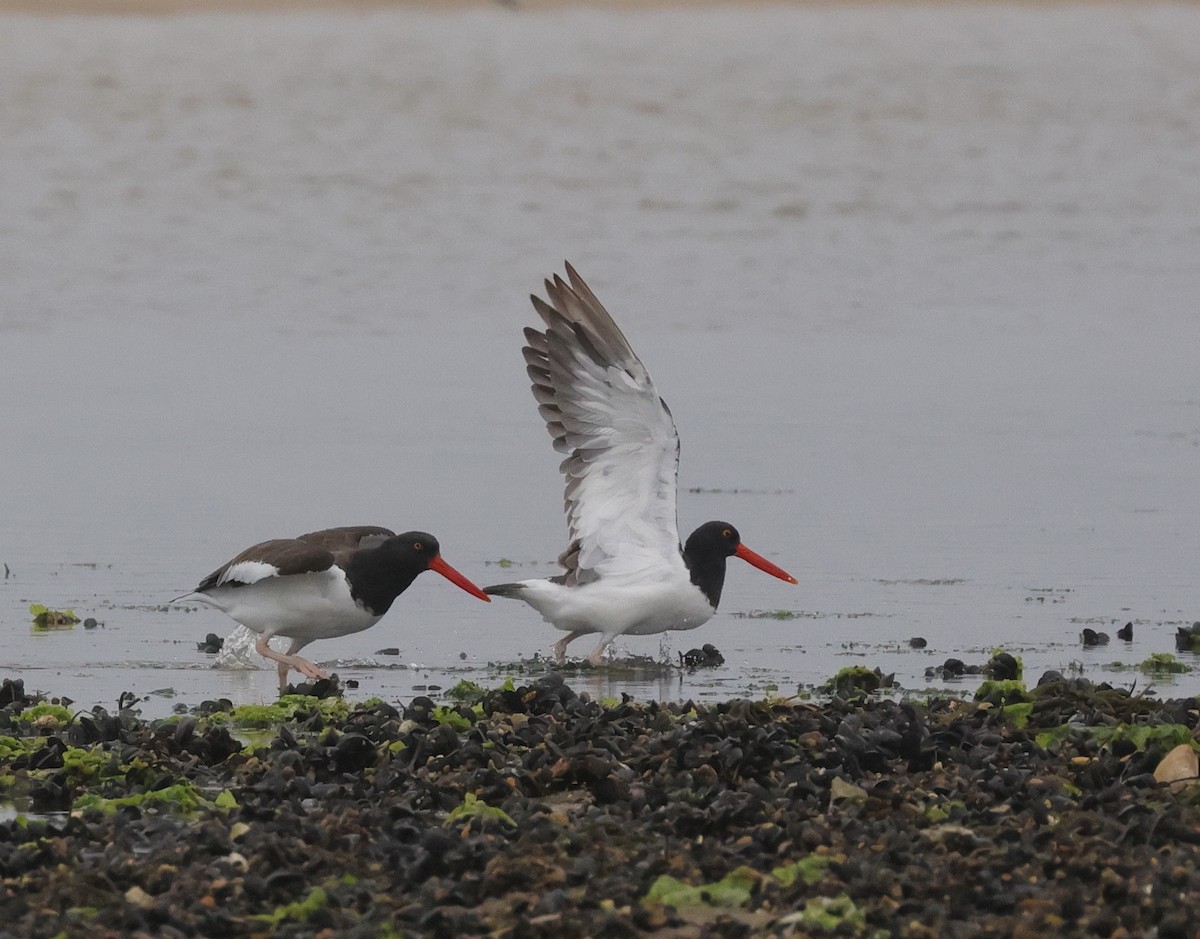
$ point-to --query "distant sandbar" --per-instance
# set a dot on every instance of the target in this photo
(168, 7)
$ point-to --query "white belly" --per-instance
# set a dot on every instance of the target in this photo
(301, 606)
(619, 608)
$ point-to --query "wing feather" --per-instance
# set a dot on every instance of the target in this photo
(310, 553)
(602, 409)
(279, 557)
(343, 542)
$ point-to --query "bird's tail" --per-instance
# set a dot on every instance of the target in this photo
(504, 590)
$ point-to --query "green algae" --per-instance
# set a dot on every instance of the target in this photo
(182, 796)
(474, 809)
(1166, 736)
(451, 718)
(1163, 663)
(1018, 714)
(829, 914)
(11, 747)
(1009, 695)
(85, 765)
(807, 870)
(730, 892)
(289, 708)
(46, 618)
(1002, 692)
(467, 692)
(53, 716)
(856, 681)
(301, 910)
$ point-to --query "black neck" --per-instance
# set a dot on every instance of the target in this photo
(378, 575)
(707, 571)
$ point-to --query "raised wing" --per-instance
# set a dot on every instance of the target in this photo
(602, 409)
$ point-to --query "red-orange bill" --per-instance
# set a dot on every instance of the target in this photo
(763, 564)
(437, 564)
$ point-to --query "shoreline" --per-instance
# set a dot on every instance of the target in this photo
(529, 810)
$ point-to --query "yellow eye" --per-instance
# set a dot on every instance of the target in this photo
(418, 546)
(727, 533)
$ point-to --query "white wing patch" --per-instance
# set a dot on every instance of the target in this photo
(248, 572)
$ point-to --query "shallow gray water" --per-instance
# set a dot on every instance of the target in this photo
(919, 284)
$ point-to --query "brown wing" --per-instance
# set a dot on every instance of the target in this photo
(279, 557)
(342, 542)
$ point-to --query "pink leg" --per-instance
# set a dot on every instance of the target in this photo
(596, 656)
(302, 665)
(560, 647)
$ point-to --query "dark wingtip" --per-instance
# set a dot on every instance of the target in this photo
(503, 590)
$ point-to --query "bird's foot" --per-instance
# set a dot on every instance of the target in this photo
(309, 669)
(560, 647)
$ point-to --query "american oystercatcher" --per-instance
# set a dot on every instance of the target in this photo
(321, 585)
(625, 571)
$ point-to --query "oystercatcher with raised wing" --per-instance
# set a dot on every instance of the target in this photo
(626, 573)
(321, 585)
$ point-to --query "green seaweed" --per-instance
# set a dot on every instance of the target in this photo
(807, 870)
(829, 914)
(288, 708)
(88, 764)
(467, 692)
(46, 618)
(451, 717)
(1163, 663)
(730, 892)
(856, 681)
(1002, 692)
(183, 796)
(301, 910)
(11, 747)
(475, 809)
(48, 716)
(1018, 714)
(1166, 736)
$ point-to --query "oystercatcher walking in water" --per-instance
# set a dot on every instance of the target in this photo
(321, 585)
(625, 570)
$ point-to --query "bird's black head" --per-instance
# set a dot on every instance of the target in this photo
(415, 549)
(705, 553)
(420, 551)
(718, 539)
(381, 574)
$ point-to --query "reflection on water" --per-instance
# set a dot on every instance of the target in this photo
(918, 284)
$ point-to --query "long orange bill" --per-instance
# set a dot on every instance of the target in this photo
(437, 564)
(763, 564)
